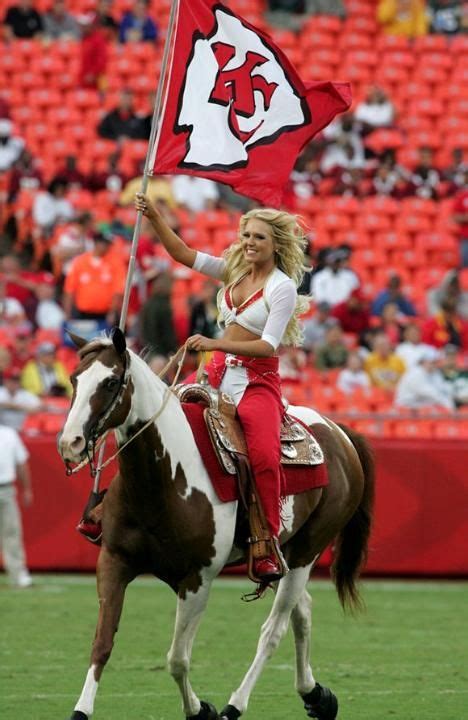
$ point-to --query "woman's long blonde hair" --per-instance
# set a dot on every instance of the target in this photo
(289, 242)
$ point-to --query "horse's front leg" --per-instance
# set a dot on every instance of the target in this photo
(190, 608)
(112, 580)
(290, 589)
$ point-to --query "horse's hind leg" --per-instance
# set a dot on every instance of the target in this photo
(190, 609)
(290, 589)
(112, 580)
(319, 701)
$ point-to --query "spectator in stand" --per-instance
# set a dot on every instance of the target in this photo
(71, 240)
(5, 362)
(335, 283)
(24, 175)
(393, 294)
(460, 217)
(447, 16)
(412, 348)
(315, 327)
(204, 315)
(105, 20)
(157, 323)
(382, 365)
(45, 375)
(344, 144)
(388, 180)
(306, 177)
(11, 146)
(353, 314)
(391, 323)
(59, 24)
(49, 314)
(194, 193)
(51, 207)
(456, 172)
(13, 466)
(137, 25)
(20, 283)
(94, 53)
(111, 179)
(94, 285)
(348, 181)
(15, 402)
(11, 310)
(21, 352)
(325, 7)
(333, 353)
(449, 289)
(375, 111)
(291, 364)
(22, 21)
(69, 172)
(425, 178)
(122, 122)
(455, 375)
(403, 17)
(353, 377)
(423, 385)
(446, 327)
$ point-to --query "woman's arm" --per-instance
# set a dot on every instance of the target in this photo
(249, 348)
(174, 245)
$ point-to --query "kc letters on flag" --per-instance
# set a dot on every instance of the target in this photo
(236, 110)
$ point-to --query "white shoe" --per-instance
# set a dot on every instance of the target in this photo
(24, 580)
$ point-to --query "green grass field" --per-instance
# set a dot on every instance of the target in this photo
(407, 657)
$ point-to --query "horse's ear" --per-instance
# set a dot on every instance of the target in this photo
(118, 339)
(77, 340)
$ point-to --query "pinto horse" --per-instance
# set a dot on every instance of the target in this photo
(161, 515)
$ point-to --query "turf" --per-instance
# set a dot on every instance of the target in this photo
(406, 658)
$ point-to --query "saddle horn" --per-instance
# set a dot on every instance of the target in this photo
(118, 340)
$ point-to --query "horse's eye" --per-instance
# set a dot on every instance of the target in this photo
(111, 384)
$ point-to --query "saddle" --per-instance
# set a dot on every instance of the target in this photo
(225, 431)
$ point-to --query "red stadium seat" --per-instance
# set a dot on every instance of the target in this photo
(325, 23)
(431, 43)
(398, 58)
(409, 429)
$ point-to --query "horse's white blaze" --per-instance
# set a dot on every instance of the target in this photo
(85, 703)
(287, 513)
(86, 385)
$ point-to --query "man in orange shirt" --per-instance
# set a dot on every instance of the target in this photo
(94, 284)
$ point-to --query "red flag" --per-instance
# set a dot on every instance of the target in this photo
(236, 110)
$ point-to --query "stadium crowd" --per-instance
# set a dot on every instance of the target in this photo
(384, 202)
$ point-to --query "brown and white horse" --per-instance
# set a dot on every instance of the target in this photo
(162, 516)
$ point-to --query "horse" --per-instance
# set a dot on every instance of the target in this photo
(162, 516)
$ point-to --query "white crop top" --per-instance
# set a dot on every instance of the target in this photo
(266, 313)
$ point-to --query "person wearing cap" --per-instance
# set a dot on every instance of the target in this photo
(45, 375)
(335, 283)
(11, 146)
(353, 313)
(13, 466)
(382, 365)
(95, 282)
(423, 385)
(15, 402)
(393, 293)
(11, 310)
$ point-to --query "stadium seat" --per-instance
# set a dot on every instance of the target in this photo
(414, 429)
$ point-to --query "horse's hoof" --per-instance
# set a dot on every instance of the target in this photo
(229, 713)
(321, 703)
(207, 712)
(78, 715)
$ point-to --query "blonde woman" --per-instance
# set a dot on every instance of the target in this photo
(259, 308)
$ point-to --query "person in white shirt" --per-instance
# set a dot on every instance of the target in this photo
(345, 148)
(353, 376)
(335, 283)
(375, 111)
(15, 402)
(49, 314)
(10, 147)
(194, 193)
(51, 207)
(411, 350)
(424, 386)
(13, 464)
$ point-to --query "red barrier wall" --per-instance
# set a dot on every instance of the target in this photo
(421, 521)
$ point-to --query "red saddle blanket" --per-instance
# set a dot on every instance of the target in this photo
(295, 478)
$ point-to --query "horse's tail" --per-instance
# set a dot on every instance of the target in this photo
(352, 542)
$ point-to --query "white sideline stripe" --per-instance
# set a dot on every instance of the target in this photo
(156, 694)
(228, 583)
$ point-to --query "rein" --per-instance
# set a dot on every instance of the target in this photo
(98, 441)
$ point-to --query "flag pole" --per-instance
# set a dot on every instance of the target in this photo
(143, 188)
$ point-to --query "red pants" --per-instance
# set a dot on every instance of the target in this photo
(260, 412)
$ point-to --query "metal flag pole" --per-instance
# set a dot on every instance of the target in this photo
(143, 188)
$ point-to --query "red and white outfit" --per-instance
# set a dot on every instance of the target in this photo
(254, 383)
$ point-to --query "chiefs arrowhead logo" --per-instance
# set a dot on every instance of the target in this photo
(235, 96)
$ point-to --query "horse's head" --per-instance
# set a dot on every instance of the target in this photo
(101, 394)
